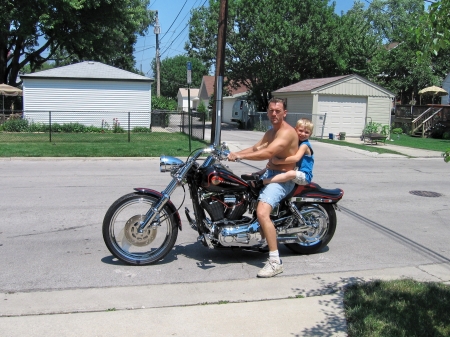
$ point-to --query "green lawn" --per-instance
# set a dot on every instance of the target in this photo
(421, 143)
(399, 308)
(96, 145)
(357, 146)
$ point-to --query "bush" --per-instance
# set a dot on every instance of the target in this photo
(164, 103)
(438, 130)
(16, 125)
(93, 129)
(56, 127)
(140, 129)
(73, 127)
(37, 127)
(397, 131)
(372, 127)
(202, 110)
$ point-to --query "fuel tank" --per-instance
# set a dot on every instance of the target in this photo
(217, 178)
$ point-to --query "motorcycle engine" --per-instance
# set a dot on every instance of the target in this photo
(222, 206)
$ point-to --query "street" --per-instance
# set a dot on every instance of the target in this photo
(52, 211)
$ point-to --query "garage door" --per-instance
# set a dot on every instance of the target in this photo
(344, 114)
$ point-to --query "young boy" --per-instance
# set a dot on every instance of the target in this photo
(304, 157)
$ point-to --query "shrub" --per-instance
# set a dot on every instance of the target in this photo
(397, 131)
(446, 135)
(385, 130)
(164, 103)
(437, 131)
(73, 127)
(372, 127)
(140, 129)
(56, 127)
(36, 127)
(93, 129)
(16, 125)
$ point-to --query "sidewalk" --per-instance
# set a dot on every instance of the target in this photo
(306, 305)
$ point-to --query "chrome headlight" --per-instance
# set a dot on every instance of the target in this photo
(168, 163)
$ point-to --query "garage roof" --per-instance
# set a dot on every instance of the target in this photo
(318, 84)
(308, 85)
(88, 70)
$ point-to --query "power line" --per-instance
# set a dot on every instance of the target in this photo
(175, 39)
(167, 48)
(175, 19)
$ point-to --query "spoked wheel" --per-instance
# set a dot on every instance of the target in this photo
(321, 223)
(121, 235)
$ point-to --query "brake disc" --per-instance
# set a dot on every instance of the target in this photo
(136, 238)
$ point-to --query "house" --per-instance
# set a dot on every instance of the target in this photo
(346, 103)
(89, 93)
(182, 98)
(446, 87)
(207, 90)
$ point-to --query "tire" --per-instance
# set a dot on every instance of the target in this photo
(322, 218)
(121, 237)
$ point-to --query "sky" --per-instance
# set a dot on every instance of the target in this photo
(173, 18)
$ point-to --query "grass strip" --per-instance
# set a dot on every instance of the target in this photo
(112, 145)
(379, 150)
(399, 308)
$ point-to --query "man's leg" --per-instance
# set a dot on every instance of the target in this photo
(273, 266)
(263, 213)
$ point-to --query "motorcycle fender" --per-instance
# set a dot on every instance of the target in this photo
(156, 194)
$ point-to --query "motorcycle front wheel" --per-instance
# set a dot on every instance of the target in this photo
(321, 224)
(121, 236)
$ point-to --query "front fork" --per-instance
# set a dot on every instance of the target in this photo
(152, 215)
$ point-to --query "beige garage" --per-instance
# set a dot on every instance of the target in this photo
(341, 103)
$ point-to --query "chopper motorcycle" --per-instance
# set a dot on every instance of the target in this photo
(141, 228)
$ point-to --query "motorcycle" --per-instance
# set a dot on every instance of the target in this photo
(141, 228)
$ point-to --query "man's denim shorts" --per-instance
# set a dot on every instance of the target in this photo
(274, 192)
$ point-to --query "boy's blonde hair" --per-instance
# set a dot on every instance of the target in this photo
(306, 123)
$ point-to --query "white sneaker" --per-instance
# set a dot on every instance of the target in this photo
(271, 269)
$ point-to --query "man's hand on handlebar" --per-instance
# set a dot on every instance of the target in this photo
(233, 156)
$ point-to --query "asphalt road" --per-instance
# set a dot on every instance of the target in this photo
(52, 211)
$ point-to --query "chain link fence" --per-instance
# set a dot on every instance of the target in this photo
(97, 126)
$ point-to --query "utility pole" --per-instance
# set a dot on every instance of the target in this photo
(157, 31)
(220, 69)
(189, 81)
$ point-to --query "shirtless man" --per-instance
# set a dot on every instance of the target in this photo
(281, 141)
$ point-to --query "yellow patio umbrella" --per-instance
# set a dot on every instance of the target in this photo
(432, 91)
(8, 90)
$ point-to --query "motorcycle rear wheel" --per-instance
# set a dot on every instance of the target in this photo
(321, 219)
(122, 238)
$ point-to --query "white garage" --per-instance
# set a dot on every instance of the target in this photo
(343, 113)
(340, 104)
(89, 93)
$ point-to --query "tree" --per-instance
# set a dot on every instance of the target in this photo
(433, 30)
(174, 74)
(164, 103)
(270, 44)
(359, 42)
(396, 66)
(101, 30)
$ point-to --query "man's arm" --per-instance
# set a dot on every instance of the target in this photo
(291, 159)
(238, 155)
